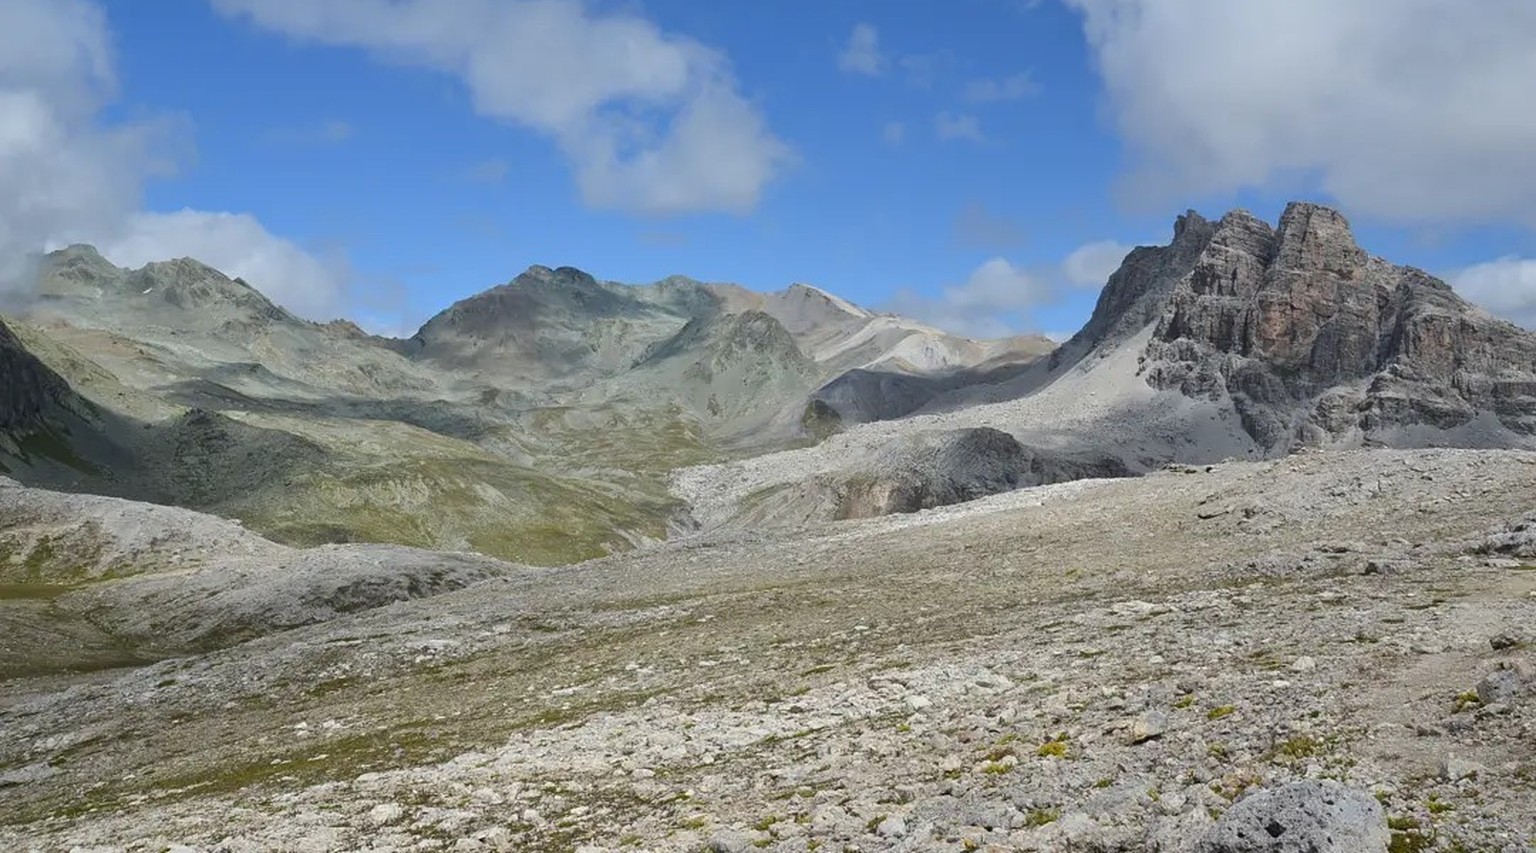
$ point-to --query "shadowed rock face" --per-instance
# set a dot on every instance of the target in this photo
(939, 469)
(1138, 292)
(28, 389)
(1317, 342)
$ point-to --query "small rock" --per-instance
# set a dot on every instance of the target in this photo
(1501, 685)
(894, 826)
(26, 775)
(918, 703)
(384, 813)
(1304, 664)
(1500, 642)
(1454, 769)
(729, 841)
(1152, 724)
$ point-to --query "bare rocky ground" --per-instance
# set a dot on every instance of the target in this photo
(1098, 665)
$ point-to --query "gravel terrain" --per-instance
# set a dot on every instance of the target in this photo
(1138, 664)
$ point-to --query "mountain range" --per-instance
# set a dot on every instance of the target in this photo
(1242, 565)
(535, 421)
(557, 417)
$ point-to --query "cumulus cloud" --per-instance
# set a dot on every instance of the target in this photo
(1012, 88)
(236, 244)
(950, 126)
(978, 227)
(63, 171)
(992, 302)
(1000, 298)
(650, 121)
(67, 174)
(1091, 264)
(1412, 110)
(862, 54)
(1505, 287)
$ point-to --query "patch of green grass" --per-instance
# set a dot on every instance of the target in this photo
(1042, 817)
(32, 591)
(1438, 806)
(1185, 701)
(320, 760)
(1297, 748)
(1466, 699)
(1221, 712)
(996, 768)
(1057, 747)
(1410, 840)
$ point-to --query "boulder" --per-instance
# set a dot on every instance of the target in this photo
(1302, 817)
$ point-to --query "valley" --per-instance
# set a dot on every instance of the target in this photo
(681, 566)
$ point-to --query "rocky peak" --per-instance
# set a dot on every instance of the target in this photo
(189, 284)
(75, 267)
(1313, 237)
(1138, 292)
(1313, 340)
(1192, 229)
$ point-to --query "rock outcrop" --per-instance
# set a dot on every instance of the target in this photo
(1315, 342)
(924, 470)
(929, 470)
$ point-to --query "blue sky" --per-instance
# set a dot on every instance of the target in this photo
(381, 158)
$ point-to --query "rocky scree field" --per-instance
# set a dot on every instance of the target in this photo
(1329, 645)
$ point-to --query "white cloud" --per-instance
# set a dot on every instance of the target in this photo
(1414, 110)
(651, 121)
(1012, 88)
(236, 245)
(862, 54)
(69, 175)
(1000, 298)
(62, 170)
(894, 133)
(993, 302)
(1091, 264)
(949, 126)
(1506, 287)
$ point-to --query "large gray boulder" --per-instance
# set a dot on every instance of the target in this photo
(1302, 817)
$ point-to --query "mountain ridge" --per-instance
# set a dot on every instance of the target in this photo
(664, 405)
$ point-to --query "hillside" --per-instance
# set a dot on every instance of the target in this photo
(1116, 665)
(535, 421)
